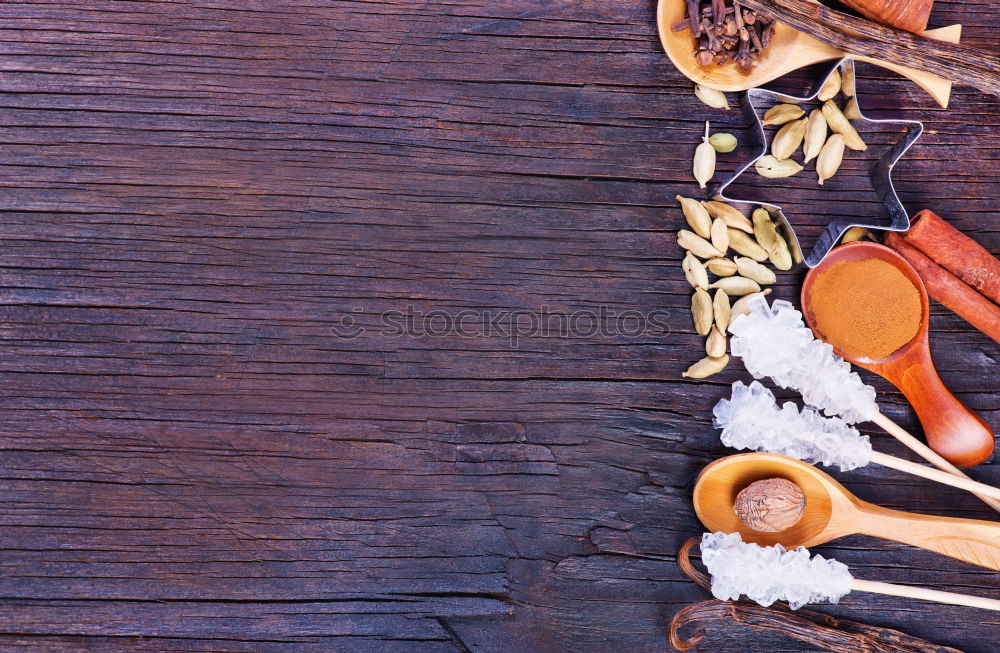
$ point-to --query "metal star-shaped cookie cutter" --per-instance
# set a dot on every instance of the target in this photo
(895, 217)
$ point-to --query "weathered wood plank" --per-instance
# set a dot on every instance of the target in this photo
(194, 195)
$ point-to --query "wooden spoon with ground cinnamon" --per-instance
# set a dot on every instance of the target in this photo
(858, 301)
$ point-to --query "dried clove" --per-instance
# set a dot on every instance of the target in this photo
(726, 32)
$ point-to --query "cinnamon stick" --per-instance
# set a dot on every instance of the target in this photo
(948, 290)
(953, 250)
(958, 63)
(910, 15)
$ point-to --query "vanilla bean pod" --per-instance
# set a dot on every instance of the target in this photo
(817, 630)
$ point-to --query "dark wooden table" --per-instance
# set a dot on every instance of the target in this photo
(201, 199)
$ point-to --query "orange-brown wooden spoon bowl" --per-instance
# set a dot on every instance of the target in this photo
(951, 428)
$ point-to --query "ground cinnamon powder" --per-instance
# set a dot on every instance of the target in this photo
(866, 308)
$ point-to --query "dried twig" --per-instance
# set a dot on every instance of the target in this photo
(952, 61)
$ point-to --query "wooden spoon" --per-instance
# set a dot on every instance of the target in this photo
(951, 428)
(832, 511)
(788, 50)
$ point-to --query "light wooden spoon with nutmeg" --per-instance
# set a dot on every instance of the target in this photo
(831, 511)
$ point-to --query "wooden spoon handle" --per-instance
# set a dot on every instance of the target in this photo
(858, 36)
(928, 454)
(951, 428)
(962, 482)
(970, 540)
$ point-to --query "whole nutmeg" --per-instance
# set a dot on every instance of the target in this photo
(770, 505)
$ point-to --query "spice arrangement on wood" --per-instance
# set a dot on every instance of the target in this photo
(197, 457)
(864, 305)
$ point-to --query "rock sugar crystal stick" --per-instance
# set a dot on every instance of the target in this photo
(770, 573)
(751, 419)
(774, 342)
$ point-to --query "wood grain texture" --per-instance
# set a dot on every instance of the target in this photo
(194, 193)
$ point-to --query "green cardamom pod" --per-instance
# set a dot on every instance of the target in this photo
(772, 167)
(712, 97)
(701, 311)
(851, 110)
(707, 367)
(815, 135)
(788, 139)
(779, 114)
(767, 235)
(830, 158)
(720, 307)
(730, 215)
(694, 271)
(853, 234)
(715, 344)
(720, 236)
(736, 286)
(722, 142)
(830, 87)
(839, 123)
(704, 161)
(847, 80)
(721, 267)
(697, 216)
(746, 245)
(751, 269)
(697, 245)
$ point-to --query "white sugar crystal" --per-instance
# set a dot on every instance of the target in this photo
(770, 573)
(774, 341)
(751, 419)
